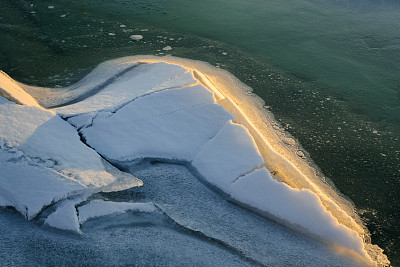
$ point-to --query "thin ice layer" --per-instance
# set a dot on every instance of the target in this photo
(171, 124)
(98, 208)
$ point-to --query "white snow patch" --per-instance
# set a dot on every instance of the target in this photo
(98, 208)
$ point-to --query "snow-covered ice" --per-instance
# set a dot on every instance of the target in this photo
(172, 124)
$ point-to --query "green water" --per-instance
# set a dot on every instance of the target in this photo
(328, 70)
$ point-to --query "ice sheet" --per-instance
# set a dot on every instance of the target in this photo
(171, 124)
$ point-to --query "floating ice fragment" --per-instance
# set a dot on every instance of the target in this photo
(136, 37)
(50, 7)
(167, 48)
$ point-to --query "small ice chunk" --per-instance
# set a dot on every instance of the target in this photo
(63, 15)
(65, 217)
(230, 154)
(167, 48)
(224, 53)
(98, 208)
(111, 34)
(136, 37)
(122, 26)
(50, 7)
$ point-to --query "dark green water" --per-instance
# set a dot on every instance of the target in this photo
(328, 70)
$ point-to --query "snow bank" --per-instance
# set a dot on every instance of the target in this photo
(97, 208)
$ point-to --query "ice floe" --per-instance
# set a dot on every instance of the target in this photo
(128, 110)
(136, 37)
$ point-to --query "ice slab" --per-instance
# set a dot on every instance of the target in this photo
(52, 142)
(172, 124)
(98, 208)
(65, 217)
(141, 79)
(29, 187)
(301, 208)
(229, 155)
(43, 160)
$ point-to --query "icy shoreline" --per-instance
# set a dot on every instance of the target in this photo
(142, 107)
